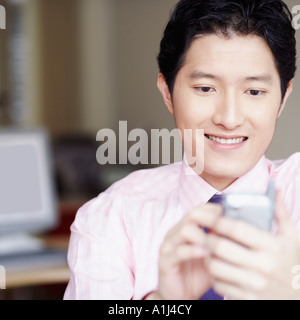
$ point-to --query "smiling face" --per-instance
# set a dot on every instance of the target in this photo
(230, 88)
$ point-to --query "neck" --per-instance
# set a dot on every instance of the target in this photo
(219, 183)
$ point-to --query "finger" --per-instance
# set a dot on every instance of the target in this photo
(245, 234)
(186, 253)
(241, 256)
(190, 229)
(205, 216)
(232, 252)
(244, 278)
(185, 233)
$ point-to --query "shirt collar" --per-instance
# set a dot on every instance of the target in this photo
(194, 191)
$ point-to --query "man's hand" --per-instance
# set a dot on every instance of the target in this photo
(182, 271)
(247, 263)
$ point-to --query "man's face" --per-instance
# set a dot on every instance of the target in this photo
(231, 89)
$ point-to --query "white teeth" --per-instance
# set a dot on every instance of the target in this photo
(226, 141)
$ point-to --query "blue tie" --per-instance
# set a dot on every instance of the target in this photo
(211, 294)
(217, 198)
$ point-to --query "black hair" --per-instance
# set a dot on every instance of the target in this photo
(268, 19)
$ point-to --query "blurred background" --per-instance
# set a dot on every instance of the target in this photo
(74, 67)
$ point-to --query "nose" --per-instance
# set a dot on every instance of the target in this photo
(228, 113)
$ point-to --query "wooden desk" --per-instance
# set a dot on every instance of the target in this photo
(41, 276)
(16, 279)
(44, 283)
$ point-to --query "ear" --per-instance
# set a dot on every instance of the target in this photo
(287, 94)
(165, 92)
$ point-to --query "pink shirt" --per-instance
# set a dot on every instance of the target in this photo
(115, 238)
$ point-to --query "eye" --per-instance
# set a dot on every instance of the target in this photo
(205, 89)
(256, 92)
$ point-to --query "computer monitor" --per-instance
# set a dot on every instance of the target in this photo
(27, 193)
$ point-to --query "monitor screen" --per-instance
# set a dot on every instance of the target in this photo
(27, 195)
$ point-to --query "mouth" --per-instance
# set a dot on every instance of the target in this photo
(226, 141)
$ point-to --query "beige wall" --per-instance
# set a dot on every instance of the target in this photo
(52, 76)
(118, 70)
(97, 69)
(140, 28)
(286, 140)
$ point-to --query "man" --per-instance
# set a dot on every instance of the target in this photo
(226, 67)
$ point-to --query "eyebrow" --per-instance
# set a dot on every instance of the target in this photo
(196, 75)
(261, 78)
(199, 75)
